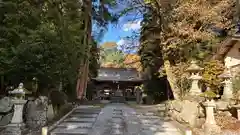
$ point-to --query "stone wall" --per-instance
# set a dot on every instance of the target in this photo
(186, 111)
(6, 111)
(36, 113)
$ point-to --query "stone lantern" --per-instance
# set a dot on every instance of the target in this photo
(194, 69)
(228, 90)
(210, 125)
(18, 94)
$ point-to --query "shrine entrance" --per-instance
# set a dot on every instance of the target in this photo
(114, 83)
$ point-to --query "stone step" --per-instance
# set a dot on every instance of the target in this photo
(117, 132)
(70, 132)
(117, 126)
(85, 112)
(117, 117)
(78, 125)
(77, 119)
(88, 109)
(84, 115)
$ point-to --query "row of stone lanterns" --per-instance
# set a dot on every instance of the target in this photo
(210, 123)
(195, 70)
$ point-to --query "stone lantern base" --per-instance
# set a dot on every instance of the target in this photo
(211, 129)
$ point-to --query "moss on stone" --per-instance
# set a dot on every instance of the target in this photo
(208, 94)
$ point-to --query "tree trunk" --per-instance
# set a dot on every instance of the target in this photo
(83, 74)
(172, 79)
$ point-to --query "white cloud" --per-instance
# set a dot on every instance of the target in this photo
(132, 25)
(121, 42)
(127, 45)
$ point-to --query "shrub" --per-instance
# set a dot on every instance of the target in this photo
(212, 70)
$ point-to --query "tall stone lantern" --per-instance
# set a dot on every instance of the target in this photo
(195, 70)
(228, 90)
(210, 125)
(16, 126)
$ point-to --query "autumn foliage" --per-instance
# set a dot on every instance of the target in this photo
(115, 58)
(133, 61)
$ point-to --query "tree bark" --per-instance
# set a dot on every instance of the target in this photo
(83, 74)
(172, 79)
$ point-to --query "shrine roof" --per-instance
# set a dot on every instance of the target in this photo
(225, 46)
(118, 74)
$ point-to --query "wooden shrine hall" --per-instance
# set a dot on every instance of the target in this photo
(111, 80)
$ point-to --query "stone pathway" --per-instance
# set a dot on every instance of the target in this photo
(114, 119)
(80, 122)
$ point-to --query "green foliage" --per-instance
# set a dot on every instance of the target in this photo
(94, 60)
(45, 39)
(208, 94)
(212, 70)
(150, 51)
(110, 55)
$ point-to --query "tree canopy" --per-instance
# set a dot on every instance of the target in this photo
(50, 40)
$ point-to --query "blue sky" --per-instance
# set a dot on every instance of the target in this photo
(115, 33)
(127, 26)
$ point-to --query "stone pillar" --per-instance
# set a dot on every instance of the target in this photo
(98, 93)
(228, 90)
(210, 126)
(138, 96)
(195, 90)
(34, 86)
(45, 131)
(18, 111)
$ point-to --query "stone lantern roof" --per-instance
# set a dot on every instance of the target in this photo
(20, 90)
(226, 74)
(194, 67)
